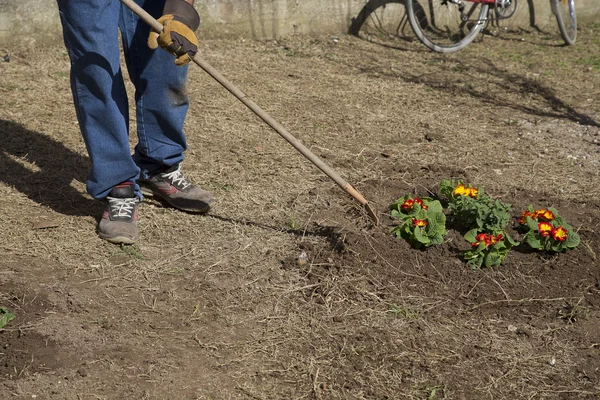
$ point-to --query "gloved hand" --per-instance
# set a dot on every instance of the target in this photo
(179, 21)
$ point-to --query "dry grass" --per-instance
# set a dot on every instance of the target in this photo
(218, 307)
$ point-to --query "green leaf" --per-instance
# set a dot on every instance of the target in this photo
(479, 222)
(568, 227)
(416, 208)
(5, 317)
(499, 246)
(437, 239)
(406, 235)
(447, 188)
(493, 259)
(471, 236)
(436, 224)
(421, 214)
(475, 263)
(510, 240)
(470, 254)
(435, 207)
(557, 247)
(573, 240)
(420, 237)
(531, 224)
(533, 241)
(558, 221)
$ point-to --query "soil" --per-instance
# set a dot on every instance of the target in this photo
(287, 290)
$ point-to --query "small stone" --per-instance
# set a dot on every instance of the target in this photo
(82, 372)
(302, 258)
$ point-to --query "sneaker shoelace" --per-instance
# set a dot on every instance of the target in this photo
(122, 207)
(177, 178)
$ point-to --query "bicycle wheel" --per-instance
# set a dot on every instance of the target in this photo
(564, 10)
(382, 21)
(446, 25)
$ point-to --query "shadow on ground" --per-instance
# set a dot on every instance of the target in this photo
(501, 89)
(43, 169)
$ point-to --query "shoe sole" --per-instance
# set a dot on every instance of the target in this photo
(118, 239)
(150, 192)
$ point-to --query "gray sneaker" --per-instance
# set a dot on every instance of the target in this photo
(119, 223)
(172, 187)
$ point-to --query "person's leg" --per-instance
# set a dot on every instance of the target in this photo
(161, 108)
(90, 30)
(161, 95)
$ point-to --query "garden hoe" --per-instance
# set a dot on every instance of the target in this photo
(241, 96)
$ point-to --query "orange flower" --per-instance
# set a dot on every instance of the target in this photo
(523, 217)
(420, 202)
(546, 215)
(544, 229)
(559, 234)
(419, 222)
(472, 192)
(408, 204)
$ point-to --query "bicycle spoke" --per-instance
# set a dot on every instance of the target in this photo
(443, 25)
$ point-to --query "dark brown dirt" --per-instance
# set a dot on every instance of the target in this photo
(286, 290)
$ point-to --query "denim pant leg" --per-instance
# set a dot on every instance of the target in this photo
(90, 30)
(161, 95)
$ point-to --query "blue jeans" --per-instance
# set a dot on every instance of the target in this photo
(90, 30)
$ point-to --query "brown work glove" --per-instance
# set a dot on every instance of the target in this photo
(179, 21)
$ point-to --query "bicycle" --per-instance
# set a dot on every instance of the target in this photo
(446, 26)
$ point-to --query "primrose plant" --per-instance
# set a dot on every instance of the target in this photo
(545, 230)
(421, 221)
(486, 220)
(487, 250)
(471, 207)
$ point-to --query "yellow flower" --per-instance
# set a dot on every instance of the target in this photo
(559, 234)
(547, 215)
(473, 192)
(460, 190)
(419, 222)
(544, 229)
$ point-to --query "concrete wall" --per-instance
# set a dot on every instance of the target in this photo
(36, 21)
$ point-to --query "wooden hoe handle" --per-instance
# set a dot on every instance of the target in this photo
(241, 96)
